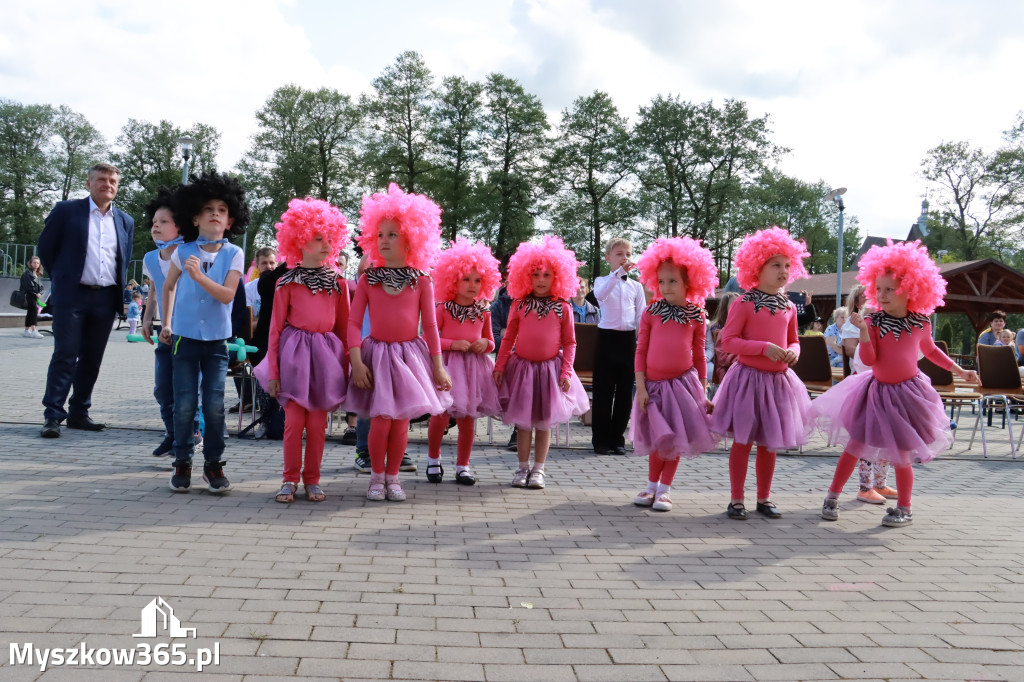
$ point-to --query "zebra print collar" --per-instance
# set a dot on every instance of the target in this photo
(315, 279)
(465, 313)
(897, 325)
(541, 306)
(396, 278)
(683, 314)
(773, 302)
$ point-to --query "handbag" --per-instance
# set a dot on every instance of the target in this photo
(19, 299)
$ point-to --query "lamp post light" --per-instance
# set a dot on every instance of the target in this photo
(185, 145)
(836, 195)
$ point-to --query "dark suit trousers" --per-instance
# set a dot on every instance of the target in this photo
(80, 333)
(613, 386)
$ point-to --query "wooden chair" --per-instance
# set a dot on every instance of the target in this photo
(1000, 387)
(583, 362)
(813, 368)
(943, 382)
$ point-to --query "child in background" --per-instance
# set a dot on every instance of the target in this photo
(670, 413)
(197, 298)
(134, 315)
(761, 399)
(537, 386)
(305, 367)
(465, 276)
(396, 373)
(891, 412)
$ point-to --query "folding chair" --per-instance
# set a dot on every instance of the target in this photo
(813, 368)
(942, 381)
(583, 363)
(1000, 386)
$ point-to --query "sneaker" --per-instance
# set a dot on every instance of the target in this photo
(871, 497)
(520, 478)
(536, 480)
(165, 447)
(393, 491)
(663, 503)
(362, 464)
(376, 490)
(830, 509)
(238, 406)
(213, 476)
(644, 499)
(198, 445)
(407, 464)
(349, 436)
(181, 478)
(513, 442)
(897, 518)
(887, 492)
(32, 334)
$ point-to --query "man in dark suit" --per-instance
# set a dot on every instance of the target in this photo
(85, 246)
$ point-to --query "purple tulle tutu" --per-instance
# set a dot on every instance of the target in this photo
(901, 423)
(676, 422)
(403, 381)
(769, 408)
(312, 369)
(473, 391)
(531, 398)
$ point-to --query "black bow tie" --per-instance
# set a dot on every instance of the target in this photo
(624, 278)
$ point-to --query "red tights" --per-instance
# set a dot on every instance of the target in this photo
(847, 463)
(739, 457)
(464, 447)
(661, 470)
(387, 441)
(314, 422)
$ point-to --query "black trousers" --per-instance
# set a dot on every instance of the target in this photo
(613, 386)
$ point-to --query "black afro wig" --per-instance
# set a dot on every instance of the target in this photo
(207, 187)
(166, 197)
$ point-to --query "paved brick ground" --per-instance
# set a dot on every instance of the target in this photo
(489, 582)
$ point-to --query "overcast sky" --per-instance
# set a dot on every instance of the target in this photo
(859, 91)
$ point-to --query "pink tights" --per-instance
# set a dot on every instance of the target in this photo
(464, 446)
(387, 441)
(661, 470)
(847, 463)
(314, 422)
(739, 457)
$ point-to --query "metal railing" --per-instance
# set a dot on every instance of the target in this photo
(14, 257)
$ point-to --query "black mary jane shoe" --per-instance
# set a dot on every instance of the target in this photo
(435, 473)
(464, 478)
(769, 509)
(736, 511)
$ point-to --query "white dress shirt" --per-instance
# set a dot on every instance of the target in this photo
(101, 248)
(622, 301)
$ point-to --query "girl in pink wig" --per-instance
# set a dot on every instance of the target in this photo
(537, 386)
(891, 412)
(396, 373)
(305, 366)
(761, 399)
(466, 275)
(670, 411)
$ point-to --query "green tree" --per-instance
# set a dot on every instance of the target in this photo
(76, 146)
(26, 183)
(399, 121)
(514, 137)
(455, 137)
(592, 160)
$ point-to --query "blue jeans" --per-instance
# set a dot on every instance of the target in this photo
(163, 386)
(362, 434)
(191, 357)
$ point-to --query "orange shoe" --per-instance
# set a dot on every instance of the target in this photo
(871, 497)
(887, 492)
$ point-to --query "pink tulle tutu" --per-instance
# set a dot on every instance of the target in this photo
(473, 391)
(901, 423)
(312, 369)
(531, 398)
(769, 408)
(676, 422)
(403, 381)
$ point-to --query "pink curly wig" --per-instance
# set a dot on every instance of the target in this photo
(909, 263)
(758, 248)
(549, 253)
(418, 218)
(304, 220)
(697, 263)
(462, 257)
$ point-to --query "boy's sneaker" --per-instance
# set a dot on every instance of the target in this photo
(362, 464)
(830, 509)
(165, 447)
(407, 463)
(349, 436)
(213, 476)
(897, 518)
(520, 478)
(181, 477)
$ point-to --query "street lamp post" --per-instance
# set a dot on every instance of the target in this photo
(836, 195)
(185, 144)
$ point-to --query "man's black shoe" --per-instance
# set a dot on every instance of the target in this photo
(51, 429)
(165, 447)
(619, 450)
(85, 424)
